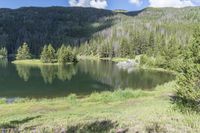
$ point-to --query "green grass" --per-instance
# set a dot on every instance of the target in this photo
(33, 62)
(158, 69)
(83, 57)
(115, 59)
(137, 110)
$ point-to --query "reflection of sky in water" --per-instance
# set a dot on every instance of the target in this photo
(83, 78)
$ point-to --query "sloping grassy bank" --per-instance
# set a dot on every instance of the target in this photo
(143, 111)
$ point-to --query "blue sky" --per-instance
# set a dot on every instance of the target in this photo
(106, 4)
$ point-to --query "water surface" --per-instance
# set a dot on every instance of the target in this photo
(82, 79)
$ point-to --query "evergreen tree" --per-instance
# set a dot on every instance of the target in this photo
(188, 90)
(44, 55)
(151, 45)
(51, 54)
(66, 54)
(124, 48)
(63, 55)
(194, 52)
(105, 51)
(23, 52)
(48, 54)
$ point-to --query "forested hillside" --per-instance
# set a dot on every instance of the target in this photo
(56, 25)
(149, 28)
(99, 31)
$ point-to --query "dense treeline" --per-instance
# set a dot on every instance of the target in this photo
(102, 31)
(55, 25)
(49, 55)
(154, 32)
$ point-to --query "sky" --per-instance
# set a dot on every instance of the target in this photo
(130, 5)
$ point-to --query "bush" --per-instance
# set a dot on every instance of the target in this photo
(148, 61)
(188, 90)
(2, 100)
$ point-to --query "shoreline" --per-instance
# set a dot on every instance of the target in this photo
(135, 110)
(118, 59)
(36, 62)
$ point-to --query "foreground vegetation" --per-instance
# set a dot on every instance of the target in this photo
(143, 111)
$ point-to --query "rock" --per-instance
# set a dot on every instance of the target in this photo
(127, 65)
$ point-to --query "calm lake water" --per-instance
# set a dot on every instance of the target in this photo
(82, 79)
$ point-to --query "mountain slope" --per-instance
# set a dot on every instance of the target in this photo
(57, 25)
(77, 26)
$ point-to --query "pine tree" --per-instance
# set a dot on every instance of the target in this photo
(51, 54)
(66, 54)
(124, 48)
(188, 90)
(48, 54)
(61, 55)
(151, 45)
(103, 51)
(195, 47)
(23, 52)
(44, 54)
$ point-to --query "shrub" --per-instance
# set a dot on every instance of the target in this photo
(2, 100)
(148, 61)
(188, 90)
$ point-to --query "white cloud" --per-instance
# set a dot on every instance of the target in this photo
(137, 2)
(89, 3)
(98, 3)
(170, 3)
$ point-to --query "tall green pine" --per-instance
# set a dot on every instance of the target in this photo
(23, 52)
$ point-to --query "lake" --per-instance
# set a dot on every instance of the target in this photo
(82, 79)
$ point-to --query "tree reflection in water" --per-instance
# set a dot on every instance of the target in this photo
(48, 72)
(108, 73)
(103, 72)
(66, 72)
(3, 62)
(24, 72)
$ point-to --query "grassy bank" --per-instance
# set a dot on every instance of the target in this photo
(158, 69)
(115, 59)
(142, 111)
(83, 57)
(33, 62)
